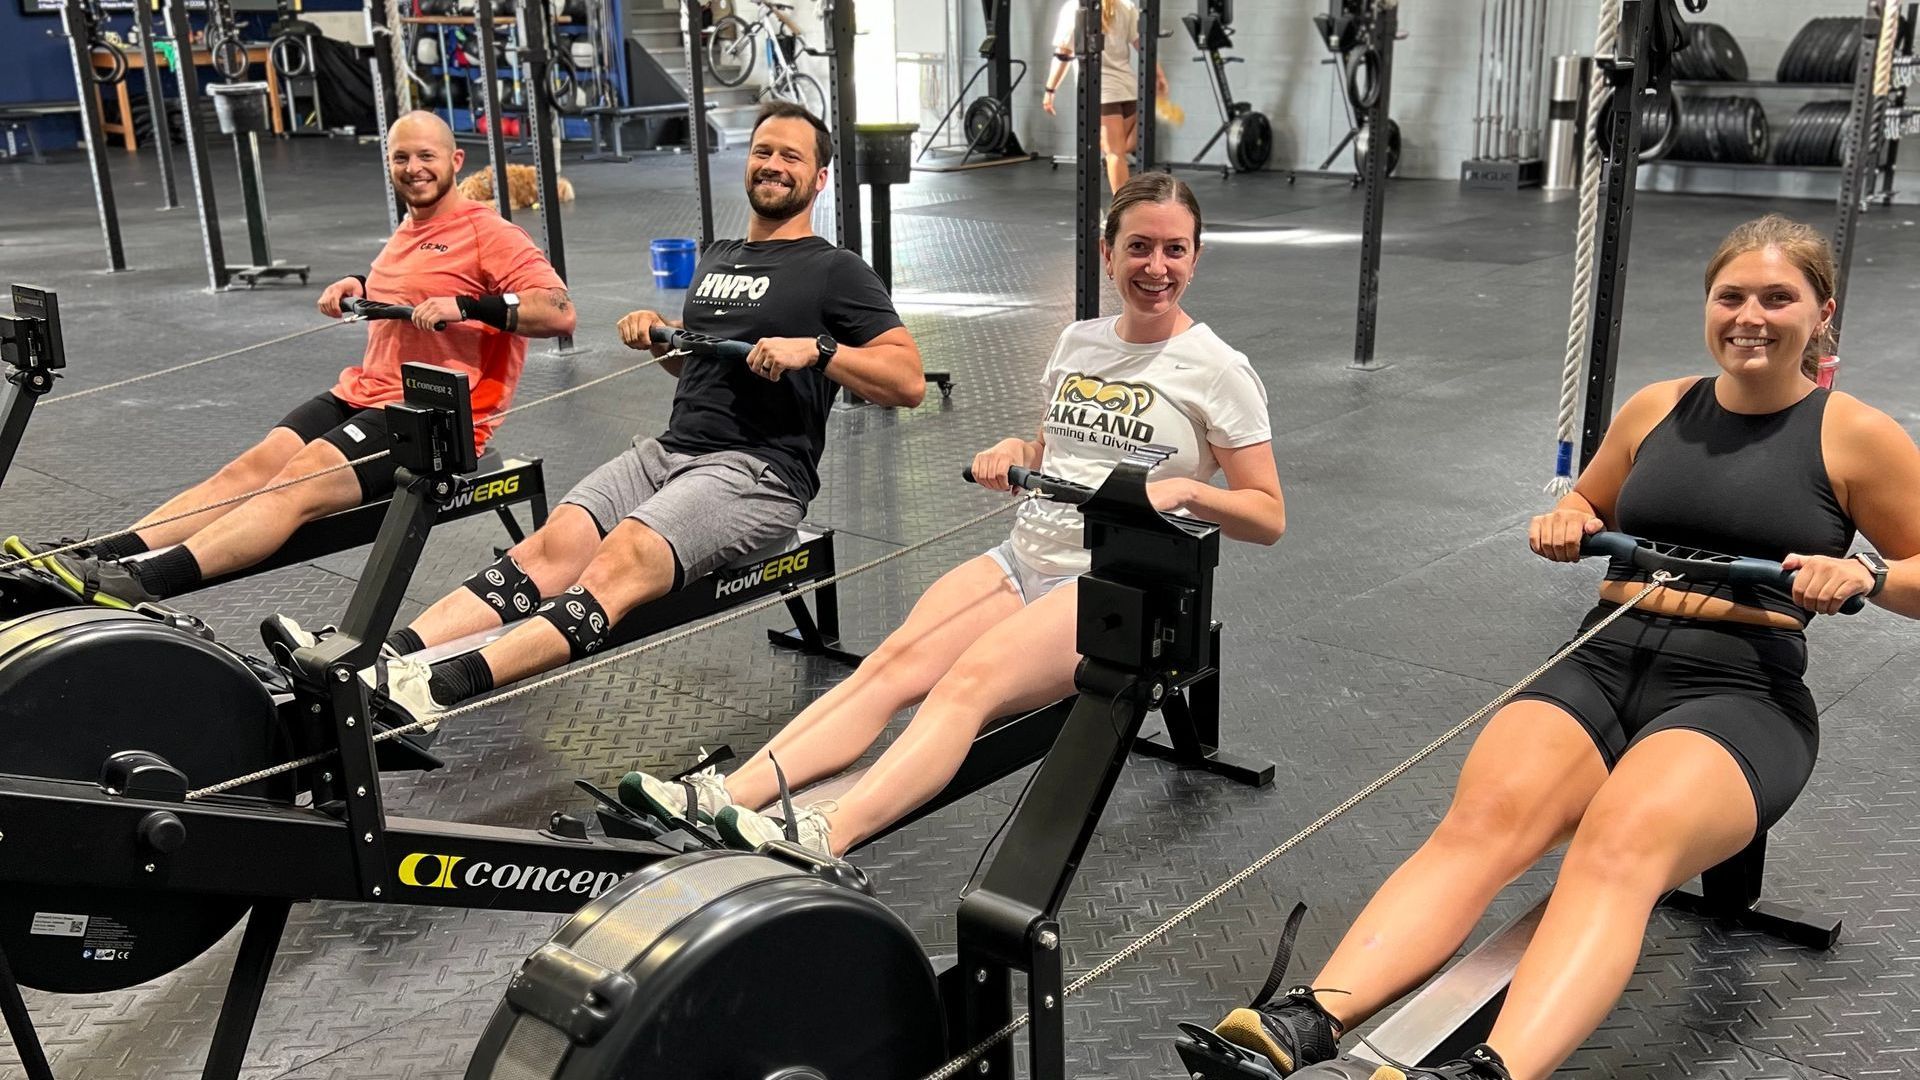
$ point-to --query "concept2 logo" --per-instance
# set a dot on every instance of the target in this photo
(426, 870)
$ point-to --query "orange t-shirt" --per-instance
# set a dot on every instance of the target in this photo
(471, 252)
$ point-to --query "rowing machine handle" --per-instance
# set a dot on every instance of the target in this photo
(1620, 547)
(699, 344)
(1034, 480)
(374, 309)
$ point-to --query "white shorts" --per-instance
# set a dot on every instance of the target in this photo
(1029, 583)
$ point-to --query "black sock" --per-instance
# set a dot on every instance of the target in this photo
(460, 678)
(169, 573)
(404, 641)
(119, 547)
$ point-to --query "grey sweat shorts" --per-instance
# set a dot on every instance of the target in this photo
(710, 508)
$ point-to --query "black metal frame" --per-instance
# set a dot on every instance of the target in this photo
(31, 353)
(156, 107)
(386, 101)
(295, 853)
(542, 124)
(496, 491)
(1639, 62)
(1868, 155)
(1089, 40)
(698, 136)
(1145, 629)
(187, 80)
(1378, 27)
(489, 89)
(841, 117)
(76, 21)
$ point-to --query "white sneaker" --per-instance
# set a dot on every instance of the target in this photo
(408, 691)
(285, 635)
(667, 800)
(749, 829)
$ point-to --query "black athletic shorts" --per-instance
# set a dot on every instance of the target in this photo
(1739, 684)
(354, 432)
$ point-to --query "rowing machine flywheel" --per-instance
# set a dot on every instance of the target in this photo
(78, 685)
(721, 964)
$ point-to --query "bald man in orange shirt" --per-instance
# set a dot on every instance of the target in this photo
(476, 277)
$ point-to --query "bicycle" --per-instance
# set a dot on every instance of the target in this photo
(733, 44)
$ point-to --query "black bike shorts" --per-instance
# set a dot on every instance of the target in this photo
(1738, 684)
(354, 432)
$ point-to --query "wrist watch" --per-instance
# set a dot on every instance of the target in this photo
(513, 310)
(827, 348)
(1878, 567)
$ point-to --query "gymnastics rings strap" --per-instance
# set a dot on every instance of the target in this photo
(229, 55)
(287, 46)
(116, 70)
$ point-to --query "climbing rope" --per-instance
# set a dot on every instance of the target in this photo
(1606, 41)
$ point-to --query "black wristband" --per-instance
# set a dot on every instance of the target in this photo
(362, 279)
(491, 310)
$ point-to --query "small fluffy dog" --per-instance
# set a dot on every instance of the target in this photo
(523, 186)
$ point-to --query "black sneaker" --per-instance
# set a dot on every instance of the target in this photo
(108, 584)
(1480, 1063)
(1292, 1031)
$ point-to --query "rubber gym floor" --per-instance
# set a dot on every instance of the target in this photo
(1401, 599)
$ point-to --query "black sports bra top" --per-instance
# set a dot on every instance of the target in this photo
(1737, 484)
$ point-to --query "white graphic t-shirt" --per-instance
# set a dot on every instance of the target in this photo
(1107, 398)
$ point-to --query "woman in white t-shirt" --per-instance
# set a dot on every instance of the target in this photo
(1119, 92)
(995, 635)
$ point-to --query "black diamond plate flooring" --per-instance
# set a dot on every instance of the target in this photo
(1401, 599)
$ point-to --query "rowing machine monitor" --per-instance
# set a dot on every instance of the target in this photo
(432, 429)
(30, 338)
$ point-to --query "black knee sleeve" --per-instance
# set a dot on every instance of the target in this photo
(506, 588)
(578, 616)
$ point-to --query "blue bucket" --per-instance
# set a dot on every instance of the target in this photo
(673, 261)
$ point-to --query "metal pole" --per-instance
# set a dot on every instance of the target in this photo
(1377, 122)
(385, 104)
(157, 106)
(181, 31)
(1147, 125)
(1480, 90)
(697, 119)
(75, 23)
(1857, 157)
(1088, 45)
(246, 149)
(843, 113)
(542, 133)
(489, 90)
(1628, 75)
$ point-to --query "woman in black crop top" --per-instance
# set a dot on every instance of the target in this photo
(1664, 744)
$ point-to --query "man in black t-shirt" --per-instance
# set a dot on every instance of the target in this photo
(737, 464)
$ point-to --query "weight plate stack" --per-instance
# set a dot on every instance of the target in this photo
(1826, 50)
(1726, 130)
(1815, 135)
(1711, 55)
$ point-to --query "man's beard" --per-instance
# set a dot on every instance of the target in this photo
(433, 194)
(779, 207)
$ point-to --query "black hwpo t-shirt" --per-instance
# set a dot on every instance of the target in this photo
(772, 288)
